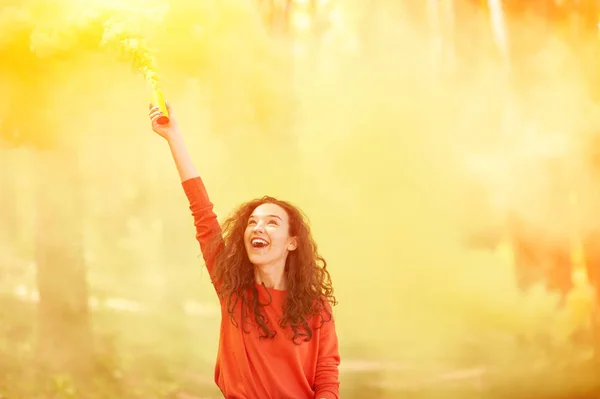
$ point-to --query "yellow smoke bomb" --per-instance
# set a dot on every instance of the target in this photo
(158, 100)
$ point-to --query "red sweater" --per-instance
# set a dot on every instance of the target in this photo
(251, 368)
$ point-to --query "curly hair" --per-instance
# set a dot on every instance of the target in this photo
(307, 280)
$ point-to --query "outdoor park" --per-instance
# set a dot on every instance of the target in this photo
(445, 151)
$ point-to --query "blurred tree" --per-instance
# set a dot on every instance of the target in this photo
(33, 119)
(64, 334)
(45, 53)
(9, 223)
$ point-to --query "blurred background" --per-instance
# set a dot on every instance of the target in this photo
(446, 152)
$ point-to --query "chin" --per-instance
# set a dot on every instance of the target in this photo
(256, 260)
(259, 261)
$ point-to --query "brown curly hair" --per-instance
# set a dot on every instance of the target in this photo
(308, 282)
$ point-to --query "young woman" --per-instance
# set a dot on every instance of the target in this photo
(278, 336)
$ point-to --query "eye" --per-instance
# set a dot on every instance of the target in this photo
(273, 222)
(251, 222)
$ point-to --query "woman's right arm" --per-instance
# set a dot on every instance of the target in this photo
(208, 231)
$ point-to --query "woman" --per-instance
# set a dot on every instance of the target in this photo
(278, 336)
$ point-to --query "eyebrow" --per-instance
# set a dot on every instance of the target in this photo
(267, 216)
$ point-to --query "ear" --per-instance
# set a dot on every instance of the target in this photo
(292, 244)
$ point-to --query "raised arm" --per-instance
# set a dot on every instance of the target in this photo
(208, 231)
(181, 156)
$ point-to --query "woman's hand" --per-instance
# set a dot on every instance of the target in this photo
(171, 133)
(167, 131)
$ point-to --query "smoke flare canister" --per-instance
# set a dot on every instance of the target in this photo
(158, 99)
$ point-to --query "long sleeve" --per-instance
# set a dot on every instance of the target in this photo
(208, 231)
(327, 384)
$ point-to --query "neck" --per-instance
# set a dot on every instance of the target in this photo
(271, 276)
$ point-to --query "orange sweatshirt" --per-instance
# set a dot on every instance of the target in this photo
(251, 368)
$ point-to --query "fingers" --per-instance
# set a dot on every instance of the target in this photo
(153, 108)
(154, 114)
(154, 118)
(154, 111)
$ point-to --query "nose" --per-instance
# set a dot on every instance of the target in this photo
(259, 227)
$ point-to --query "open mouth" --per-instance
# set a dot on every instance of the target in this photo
(258, 243)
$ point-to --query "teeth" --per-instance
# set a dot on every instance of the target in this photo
(259, 241)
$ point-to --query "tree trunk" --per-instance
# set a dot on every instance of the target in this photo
(64, 331)
(9, 223)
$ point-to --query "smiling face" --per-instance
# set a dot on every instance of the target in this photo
(267, 237)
